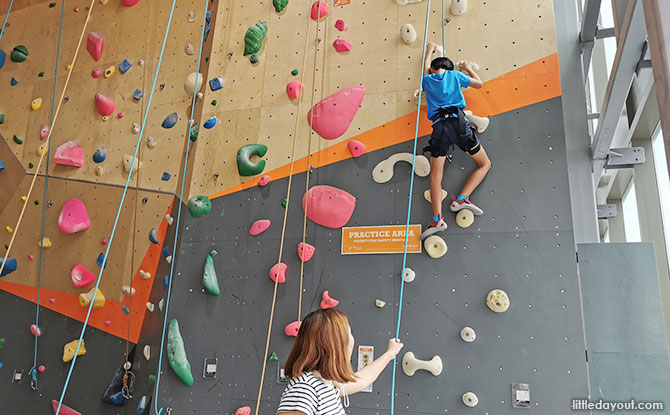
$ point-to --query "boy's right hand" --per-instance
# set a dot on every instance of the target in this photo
(467, 65)
(431, 46)
(394, 346)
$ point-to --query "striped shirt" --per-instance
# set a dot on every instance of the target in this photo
(311, 396)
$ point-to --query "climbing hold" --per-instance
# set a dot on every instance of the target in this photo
(99, 170)
(465, 218)
(259, 227)
(273, 358)
(435, 246)
(8, 228)
(166, 251)
(356, 148)
(191, 16)
(497, 300)
(101, 260)
(150, 306)
(216, 83)
(3, 57)
(209, 278)
(151, 142)
(254, 58)
(426, 195)
(36, 104)
(407, 33)
(13, 81)
(329, 206)
(41, 368)
(383, 172)
(143, 404)
(470, 399)
(331, 117)
(121, 114)
(109, 71)
(177, 354)
(482, 123)
(170, 120)
(81, 277)
(210, 123)
(128, 163)
(278, 276)
(31, 257)
(319, 10)
(71, 348)
(135, 128)
(468, 334)
(293, 89)
(100, 155)
(408, 275)
(96, 73)
(137, 95)
(69, 153)
(244, 164)
(35, 331)
(193, 132)
(128, 290)
(340, 25)
(105, 105)
(342, 45)
(459, 7)
(193, 83)
(305, 251)
(125, 65)
(327, 301)
(2, 118)
(17, 139)
(115, 391)
(279, 5)
(129, 3)
(145, 275)
(85, 298)
(284, 202)
(169, 219)
(94, 42)
(292, 329)
(189, 49)
(19, 54)
(379, 303)
(294, 72)
(45, 243)
(153, 236)
(64, 409)
(199, 206)
(253, 39)
(73, 217)
(410, 364)
(264, 180)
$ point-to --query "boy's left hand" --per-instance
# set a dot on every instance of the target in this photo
(431, 46)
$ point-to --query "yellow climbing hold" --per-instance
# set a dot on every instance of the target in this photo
(9, 229)
(109, 71)
(24, 198)
(70, 348)
(85, 298)
(105, 118)
(36, 104)
(68, 66)
(45, 242)
(104, 2)
(41, 149)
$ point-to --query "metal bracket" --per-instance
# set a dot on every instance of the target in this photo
(520, 395)
(281, 376)
(624, 158)
(209, 367)
(602, 33)
(17, 376)
(606, 211)
(593, 116)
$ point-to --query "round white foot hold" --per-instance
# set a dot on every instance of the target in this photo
(497, 300)
(470, 399)
(465, 218)
(435, 246)
(468, 334)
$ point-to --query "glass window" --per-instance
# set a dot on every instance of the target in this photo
(661, 165)
(607, 21)
(631, 222)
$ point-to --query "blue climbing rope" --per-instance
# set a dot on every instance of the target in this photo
(176, 234)
(409, 202)
(2, 31)
(33, 370)
(118, 211)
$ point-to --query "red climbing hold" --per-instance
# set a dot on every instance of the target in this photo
(340, 25)
(244, 410)
(264, 180)
(305, 251)
(69, 153)
(319, 10)
(293, 89)
(94, 43)
(342, 45)
(291, 329)
(44, 132)
(129, 3)
(329, 206)
(96, 73)
(279, 277)
(356, 147)
(327, 302)
(259, 227)
(81, 277)
(64, 409)
(73, 217)
(105, 105)
(35, 331)
(331, 117)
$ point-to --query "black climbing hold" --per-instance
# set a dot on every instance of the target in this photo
(113, 394)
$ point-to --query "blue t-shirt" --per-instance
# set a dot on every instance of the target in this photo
(444, 90)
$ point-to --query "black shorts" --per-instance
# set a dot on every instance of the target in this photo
(445, 135)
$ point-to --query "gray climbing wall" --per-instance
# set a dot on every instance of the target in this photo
(523, 244)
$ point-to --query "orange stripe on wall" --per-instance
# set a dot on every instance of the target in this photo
(530, 84)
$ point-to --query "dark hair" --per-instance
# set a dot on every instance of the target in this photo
(442, 63)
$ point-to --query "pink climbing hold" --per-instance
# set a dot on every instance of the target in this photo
(331, 117)
(76, 9)
(264, 180)
(73, 217)
(292, 329)
(35, 331)
(105, 105)
(64, 409)
(327, 301)
(96, 73)
(356, 147)
(244, 410)
(52, 300)
(81, 277)
(69, 153)
(44, 132)
(279, 277)
(41, 368)
(129, 3)
(305, 251)
(342, 45)
(293, 89)
(319, 10)
(340, 25)
(108, 323)
(104, 241)
(329, 206)
(259, 227)
(31, 257)
(94, 43)
(121, 114)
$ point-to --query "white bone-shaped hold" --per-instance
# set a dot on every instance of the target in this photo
(468, 334)
(406, 2)
(408, 275)
(128, 290)
(379, 303)
(410, 364)
(145, 275)
(407, 33)
(482, 123)
(383, 172)
(458, 7)
(470, 399)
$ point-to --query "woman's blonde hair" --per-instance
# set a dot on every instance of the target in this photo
(321, 345)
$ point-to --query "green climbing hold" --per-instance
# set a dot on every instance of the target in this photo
(209, 280)
(52, 5)
(199, 206)
(254, 58)
(294, 72)
(213, 103)
(19, 54)
(30, 165)
(273, 358)
(152, 379)
(6, 246)
(2, 341)
(279, 5)
(283, 202)
(244, 164)
(177, 354)
(2, 118)
(194, 132)
(207, 59)
(253, 39)
(17, 140)
(41, 74)
(37, 202)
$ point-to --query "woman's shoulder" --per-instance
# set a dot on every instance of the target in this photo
(305, 378)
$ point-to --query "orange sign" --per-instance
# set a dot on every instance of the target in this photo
(388, 239)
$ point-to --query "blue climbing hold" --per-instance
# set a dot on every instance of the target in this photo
(13, 82)
(10, 266)
(166, 282)
(166, 176)
(0, 365)
(216, 83)
(100, 155)
(208, 16)
(142, 405)
(3, 56)
(125, 309)
(101, 261)
(153, 236)
(137, 94)
(170, 120)
(210, 123)
(207, 29)
(2, 165)
(125, 65)
(117, 398)
(166, 251)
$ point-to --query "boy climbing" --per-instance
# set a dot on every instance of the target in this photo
(450, 127)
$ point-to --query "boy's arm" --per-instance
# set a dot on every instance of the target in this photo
(430, 48)
(475, 80)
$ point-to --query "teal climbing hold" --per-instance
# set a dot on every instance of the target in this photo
(279, 5)
(18, 140)
(253, 39)
(2, 118)
(284, 202)
(19, 54)
(13, 81)
(176, 354)
(273, 358)
(199, 206)
(294, 72)
(2, 341)
(209, 279)
(245, 166)
(194, 132)
(170, 120)
(254, 58)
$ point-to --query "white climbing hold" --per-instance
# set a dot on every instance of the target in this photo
(193, 83)
(458, 7)
(383, 172)
(460, 66)
(145, 275)
(147, 352)
(497, 300)
(128, 290)
(135, 128)
(161, 304)
(191, 16)
(407, 33)
(168, 259)
(435, 246)
(379, 303)
(426, 195)
(410, 364)
(150, 306)
(151, 142)
(468, 334)
(406, 2)
(465, 218)
(470, 399)
(438, 52)
(169, 219)
(482, 123)
(409, 275)
(128, 161)
(189, 49)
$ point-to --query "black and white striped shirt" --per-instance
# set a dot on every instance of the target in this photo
(311, 396)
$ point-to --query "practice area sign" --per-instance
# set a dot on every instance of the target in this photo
(385, 239)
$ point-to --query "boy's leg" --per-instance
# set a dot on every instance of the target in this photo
(476, 177)
(436, 173)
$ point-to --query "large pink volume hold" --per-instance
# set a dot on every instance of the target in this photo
(105, 105)
(81, 277)
(73, 217)
(332, 116)
(329, 206)
(319, 10)
(69, 153)
(64, 409)
(94, 42)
